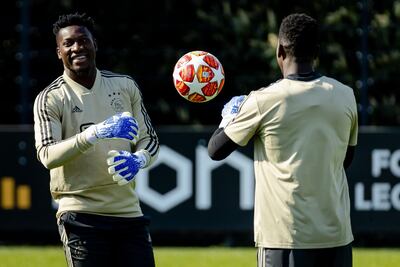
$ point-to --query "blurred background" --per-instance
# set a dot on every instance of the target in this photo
(144, 39)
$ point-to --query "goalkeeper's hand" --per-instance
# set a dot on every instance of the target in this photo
(230, 110)
(121, 126)
(123, 165)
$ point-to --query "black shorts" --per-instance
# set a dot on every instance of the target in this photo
(94, 240)
(326, 257)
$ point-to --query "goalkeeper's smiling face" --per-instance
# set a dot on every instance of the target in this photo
(77, 50)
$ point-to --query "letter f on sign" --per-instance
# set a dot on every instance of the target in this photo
(380, 160)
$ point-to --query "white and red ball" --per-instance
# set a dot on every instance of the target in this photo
(198, 76)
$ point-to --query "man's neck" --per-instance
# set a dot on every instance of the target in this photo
(85, 79)
(293, 68)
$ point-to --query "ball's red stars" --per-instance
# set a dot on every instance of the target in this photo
(198, 76)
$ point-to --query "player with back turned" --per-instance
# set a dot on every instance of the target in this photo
(93, 132)
(304, 129)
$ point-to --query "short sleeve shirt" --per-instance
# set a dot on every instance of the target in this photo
(301, 130)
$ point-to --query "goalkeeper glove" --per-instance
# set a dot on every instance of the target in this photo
(230, 110)
(123, 165)
(121, 125)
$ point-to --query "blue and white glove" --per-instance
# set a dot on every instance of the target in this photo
(123, 165)
(230, 110)
(120, 126)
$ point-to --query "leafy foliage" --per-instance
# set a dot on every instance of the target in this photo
(145, 39)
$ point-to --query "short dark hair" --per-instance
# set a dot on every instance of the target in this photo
(299, 35)
(73, 19)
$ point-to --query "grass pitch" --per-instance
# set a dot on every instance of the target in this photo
(17, 256)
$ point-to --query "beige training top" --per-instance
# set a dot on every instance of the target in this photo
(301, 130)
(79, 180)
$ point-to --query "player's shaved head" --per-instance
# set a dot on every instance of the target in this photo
(73, 19)
(299, 36)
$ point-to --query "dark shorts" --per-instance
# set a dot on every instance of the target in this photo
(326, 257)
(93, 240)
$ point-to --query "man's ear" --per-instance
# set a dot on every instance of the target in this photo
(95, 44)
(58, 52)
(281, 52)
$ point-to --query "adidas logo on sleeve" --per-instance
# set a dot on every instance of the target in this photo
(76, 109)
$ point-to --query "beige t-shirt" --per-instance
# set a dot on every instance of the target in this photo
(79, 180)
(301, 130)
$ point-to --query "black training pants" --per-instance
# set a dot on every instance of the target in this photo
(92, 240)
(326, 257)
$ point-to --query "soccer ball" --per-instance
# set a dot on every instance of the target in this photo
(198, 76)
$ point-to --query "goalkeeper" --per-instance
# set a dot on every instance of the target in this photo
(93, 132)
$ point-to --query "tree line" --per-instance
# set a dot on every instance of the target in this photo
(144, 39)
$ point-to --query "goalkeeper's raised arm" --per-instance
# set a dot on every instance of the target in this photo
(54, 152)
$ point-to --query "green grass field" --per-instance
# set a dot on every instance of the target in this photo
(20, 256)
